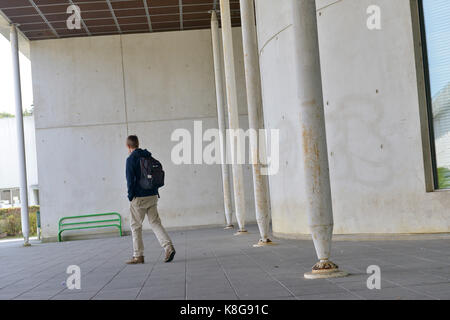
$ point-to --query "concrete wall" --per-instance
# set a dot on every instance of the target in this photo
(9, 169)
(372, 120)
(90, 93)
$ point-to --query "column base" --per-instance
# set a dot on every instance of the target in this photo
(325, 269)
(230, 226)
(241, 232)
(262, 243)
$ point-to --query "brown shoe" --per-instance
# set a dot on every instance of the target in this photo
(135, 260)
(170, 253)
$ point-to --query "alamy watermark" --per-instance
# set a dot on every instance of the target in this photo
(190, 149)
(74, 279)
(74, 20)
(374, 19)
(374, 281)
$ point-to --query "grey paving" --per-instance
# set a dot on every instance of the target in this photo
(213, 264)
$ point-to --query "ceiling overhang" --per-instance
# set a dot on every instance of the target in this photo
(47, 19)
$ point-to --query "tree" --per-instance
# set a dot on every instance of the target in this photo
(6, 115)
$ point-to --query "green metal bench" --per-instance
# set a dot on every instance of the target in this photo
(78, 225)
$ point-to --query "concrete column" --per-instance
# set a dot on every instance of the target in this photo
(254, 102)
(315, 157)
(20, 134)
(233, 115)
(221, 118)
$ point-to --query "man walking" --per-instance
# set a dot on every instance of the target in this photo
(143, 195)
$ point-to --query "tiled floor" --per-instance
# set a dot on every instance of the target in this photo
(214, 264)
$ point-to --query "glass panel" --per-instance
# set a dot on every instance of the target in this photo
(16, 195)
(6, 196)
(36, 196)
(437, 33)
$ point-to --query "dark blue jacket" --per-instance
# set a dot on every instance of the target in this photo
(133, 172)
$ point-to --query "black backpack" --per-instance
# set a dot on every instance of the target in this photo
(152, 174)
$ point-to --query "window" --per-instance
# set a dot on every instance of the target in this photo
(16, 195)
(6, 196)
(36, 196)
(9, 196)
(435, 16)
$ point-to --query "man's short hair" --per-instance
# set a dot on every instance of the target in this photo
(133, 142)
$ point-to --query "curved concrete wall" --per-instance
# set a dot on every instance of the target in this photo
(276, 48)
(372, 120)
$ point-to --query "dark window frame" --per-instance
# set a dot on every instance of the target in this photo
(429, 100)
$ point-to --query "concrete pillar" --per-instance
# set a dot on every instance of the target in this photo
(315, 157)
(221, 118)
(254, 102)
(233, 115)
(20, 134)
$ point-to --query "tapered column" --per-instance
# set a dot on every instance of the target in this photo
(315, 158)
(255, 119)
(20, 134)
(221, 119)
(233, 115)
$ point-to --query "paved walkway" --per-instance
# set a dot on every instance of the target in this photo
(213, 264)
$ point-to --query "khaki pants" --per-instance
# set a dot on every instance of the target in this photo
(139, 208)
